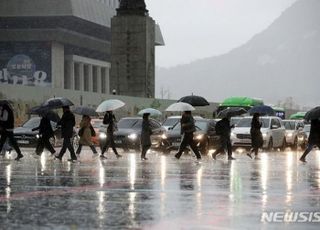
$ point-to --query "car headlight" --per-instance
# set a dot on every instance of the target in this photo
(289, 134)
(264, 135)
(37, 136)
(164, 136)
(233, 135)
(199, 137)
(132, 136)
(103, 136)
(301, 138)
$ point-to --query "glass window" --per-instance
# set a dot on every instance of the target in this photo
(32, 123)
(289, 125)
(129, 123)
(246, 122)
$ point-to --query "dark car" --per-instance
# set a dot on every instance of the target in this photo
(27, 138)
(128, 134)
(205, 136)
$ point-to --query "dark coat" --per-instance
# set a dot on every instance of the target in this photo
(146, 133)
(314, 137)
(67, 123)
(187, 124)
(9, 123)
(109, 119)
(45, 128)
(224, 128)
(256, 135)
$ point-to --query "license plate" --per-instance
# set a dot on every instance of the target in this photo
(247, 141)
(118, 141)
(176, 144)
(23, 142)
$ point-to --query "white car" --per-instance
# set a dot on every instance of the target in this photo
(273, 133)
(293, 130)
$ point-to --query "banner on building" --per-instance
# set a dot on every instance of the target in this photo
(25, 63)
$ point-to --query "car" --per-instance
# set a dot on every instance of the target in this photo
(304, 136)
(234, 120)
(171, 121)
(25, 137)
(128, 134)
(293, 129)
(204, 136)
(273, 133)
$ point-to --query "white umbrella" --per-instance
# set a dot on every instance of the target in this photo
(110, 105)
(151, 111)
(180, 106)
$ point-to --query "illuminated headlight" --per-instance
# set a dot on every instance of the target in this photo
(37, 136)
(289, 134)
(264, 135)
(301, 138)
(132, 136)
(164, 136)
(199, 137)
(233, 135)
(103, 136)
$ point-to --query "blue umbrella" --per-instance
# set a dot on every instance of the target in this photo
(262, 110)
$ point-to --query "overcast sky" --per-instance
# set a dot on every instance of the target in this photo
(195, 29)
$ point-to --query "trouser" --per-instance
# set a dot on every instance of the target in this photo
(225, 143)
(91, 147)
(187, 139)
(255, 150)
(109, 143)
(9, 134)
(44, 142)
(67, 145)
(309, 149)
(145, 149)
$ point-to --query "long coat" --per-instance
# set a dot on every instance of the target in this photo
(256, 135)
(85, 138)
(109, 119)
(67, 123)
(187, 124)
(146, 133)
(314, 137)
(45, 128)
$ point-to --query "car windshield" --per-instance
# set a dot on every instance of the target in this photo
(235, 120)
(306, 128)
(289, 125)
(200, 125)
(130, 124)
(171, 122)
(32, 123)
(246, 122)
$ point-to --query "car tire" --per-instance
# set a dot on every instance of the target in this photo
(295, 144)
(284, 145)
(270, 144)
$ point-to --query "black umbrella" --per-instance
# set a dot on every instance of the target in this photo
(57, 102)
(45, 112)
(83, 110)
(194, 100)
(262, 110)
(313, 114)
(232, 112)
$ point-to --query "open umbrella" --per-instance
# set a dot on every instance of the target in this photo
(297, 116)
(313, 114)
(194, 100)
(180, 106)
(151, 111)
(262, 110)
(232, 112)
(84, 110)
(57, 102)
(46, 112)
(110, 105)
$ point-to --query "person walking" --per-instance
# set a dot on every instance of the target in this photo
(67, 123)
(314, 138)
(110, 120)
(86, 132)
(145, 136)
(45, 133)
(6, 128)
(256, 136)
(187, 130)
(223, 129)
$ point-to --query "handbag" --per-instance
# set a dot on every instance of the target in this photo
(80, 132)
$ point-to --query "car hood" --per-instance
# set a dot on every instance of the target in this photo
(126, 132)
(242, 130)
(23, 130)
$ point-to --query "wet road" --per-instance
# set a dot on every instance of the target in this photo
(162, 193)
